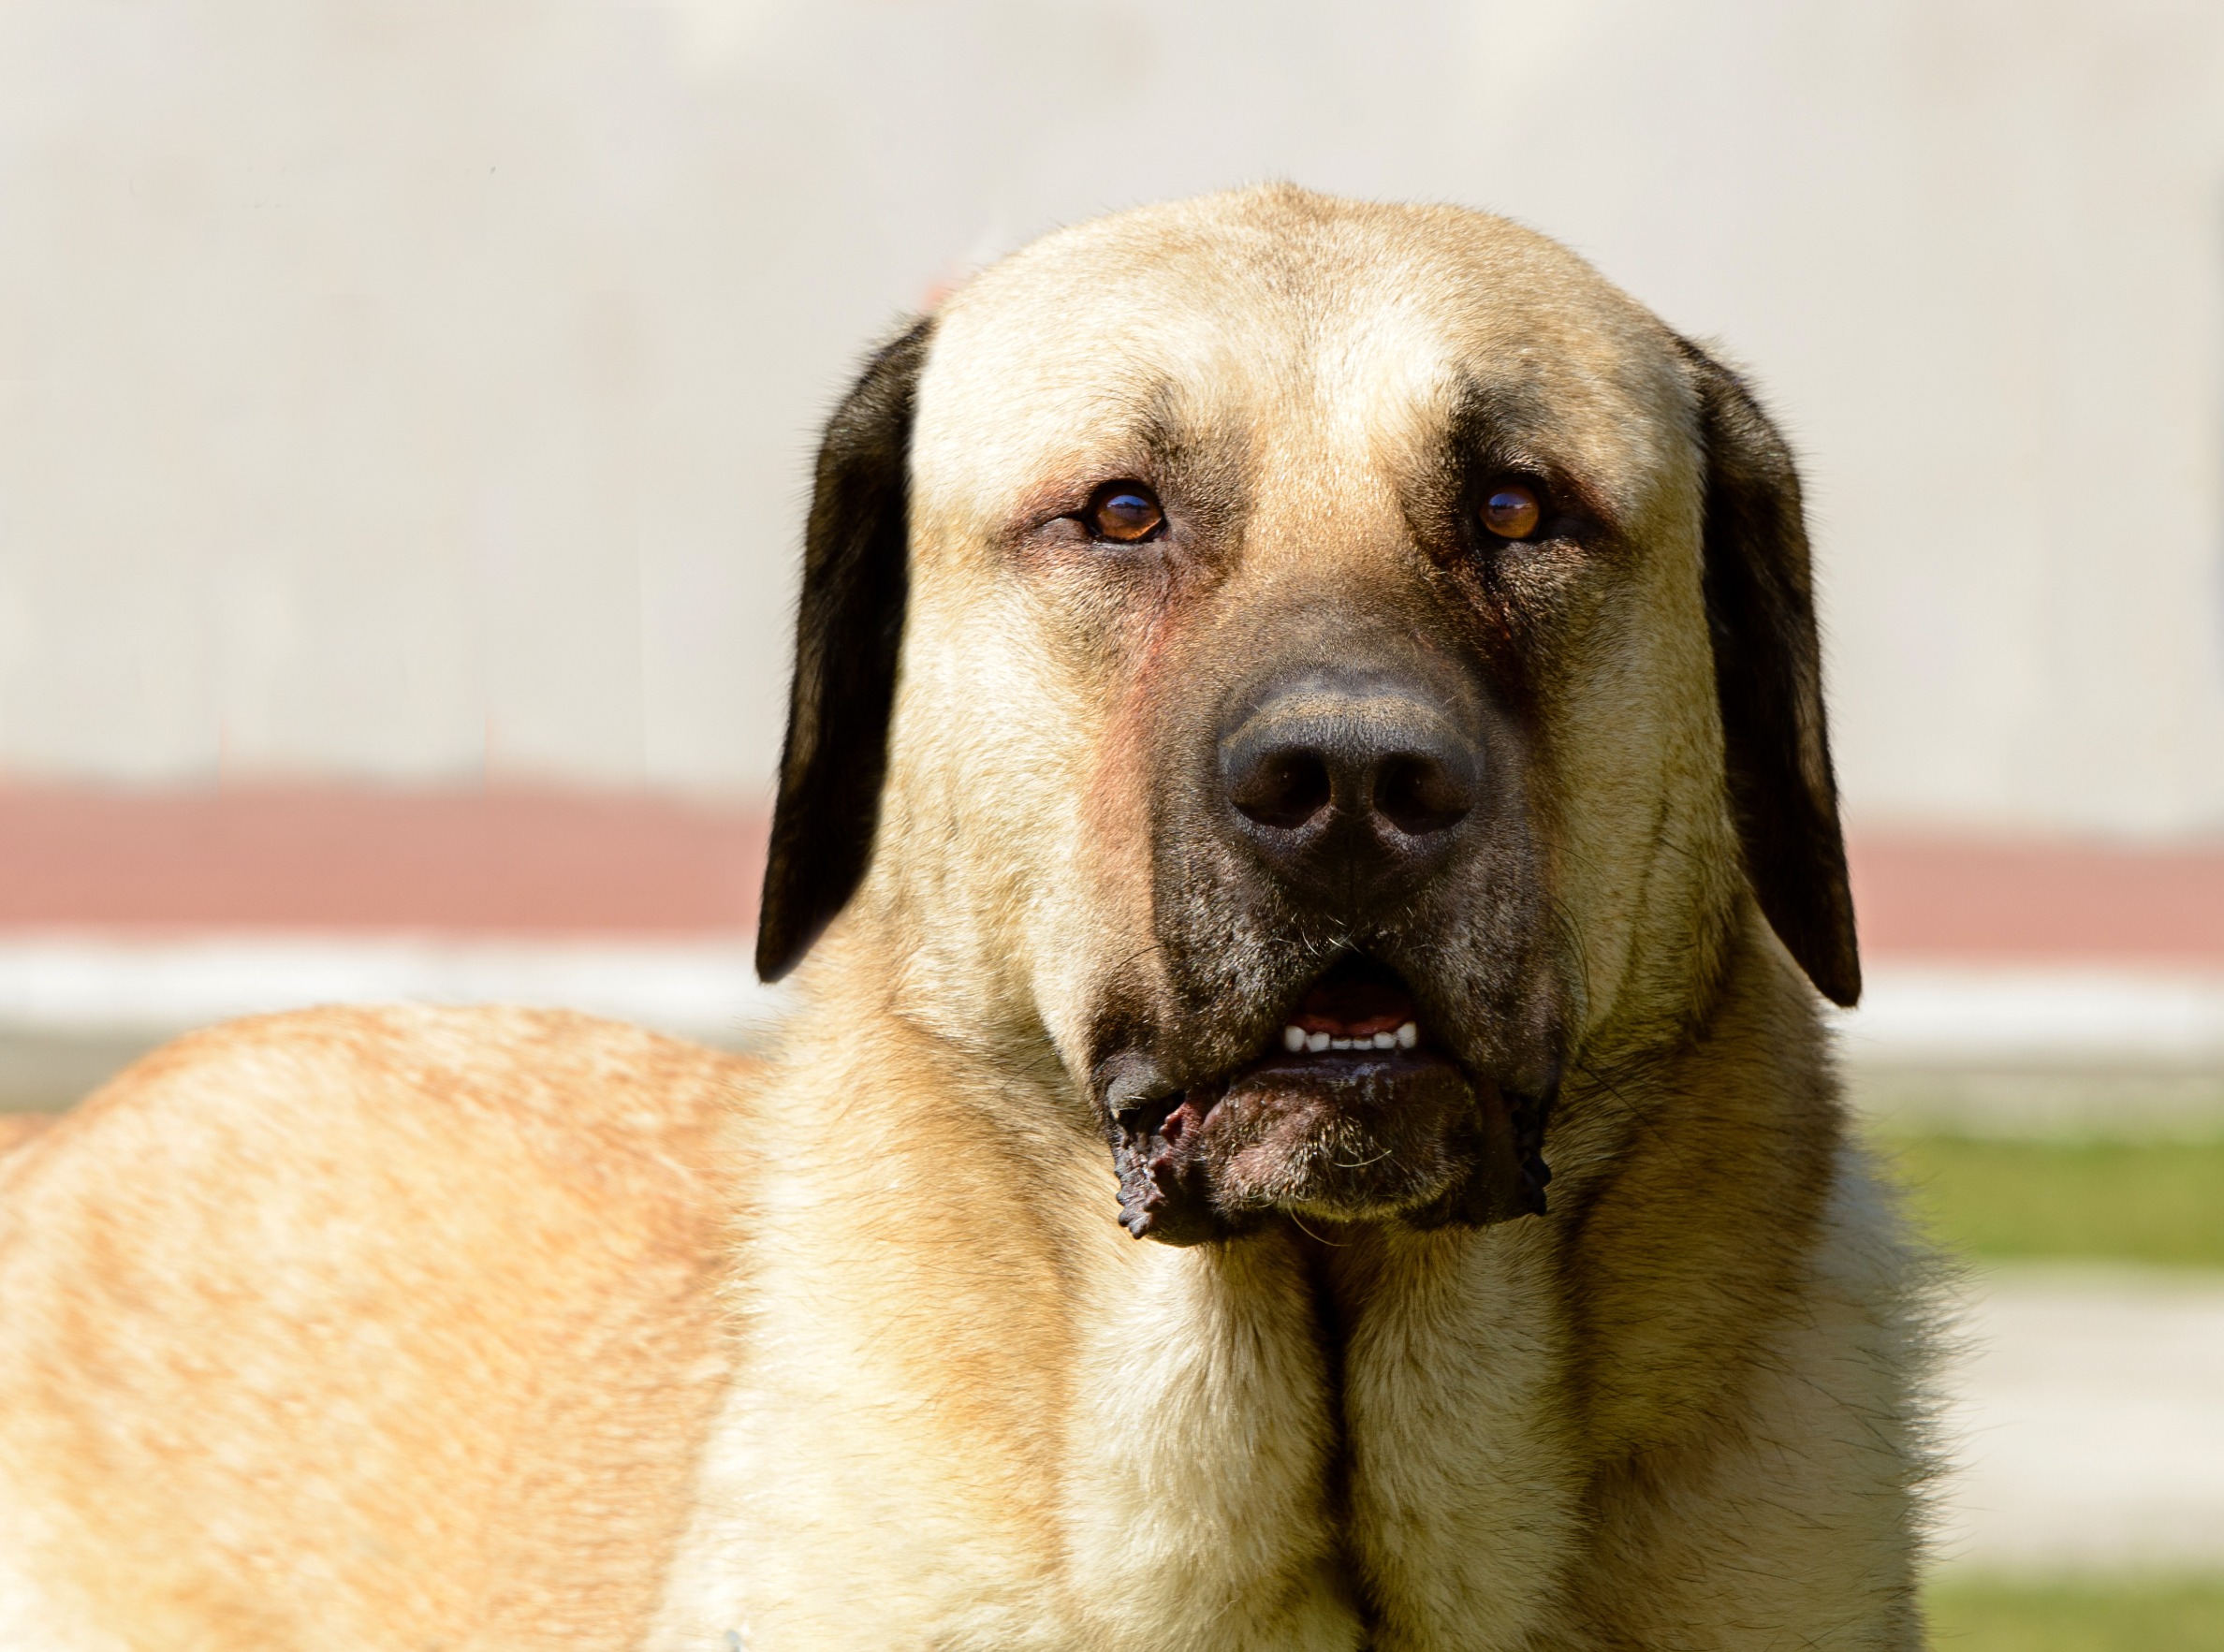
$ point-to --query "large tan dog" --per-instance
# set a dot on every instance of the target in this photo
(1305, 716)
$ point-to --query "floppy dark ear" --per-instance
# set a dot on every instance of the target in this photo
(1768, 679)
(849, 626)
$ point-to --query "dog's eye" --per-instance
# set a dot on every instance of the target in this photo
(1123, 512)
(1512, 510)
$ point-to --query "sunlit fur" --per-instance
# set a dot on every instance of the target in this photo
(485, 1329)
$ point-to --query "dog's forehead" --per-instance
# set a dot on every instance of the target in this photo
(1287, 319)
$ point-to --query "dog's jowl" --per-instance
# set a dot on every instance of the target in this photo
(1307, 865)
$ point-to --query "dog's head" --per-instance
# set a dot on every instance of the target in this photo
(1322, 666)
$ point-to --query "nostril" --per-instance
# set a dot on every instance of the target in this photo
(1419, 795)
(1283, 789)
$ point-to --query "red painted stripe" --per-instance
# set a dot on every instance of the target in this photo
(511, 861)
(554, 862)
(2005, 901)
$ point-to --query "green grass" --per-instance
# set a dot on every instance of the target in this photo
(2158, 1203)
(2132, 1616)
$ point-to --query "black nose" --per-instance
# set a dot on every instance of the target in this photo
(1348, 782)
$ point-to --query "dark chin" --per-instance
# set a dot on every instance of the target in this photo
(1372, 1135)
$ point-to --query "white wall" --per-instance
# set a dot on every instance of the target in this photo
(417, 390)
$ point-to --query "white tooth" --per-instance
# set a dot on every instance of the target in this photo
(1316, 1041)
(1408, 1036)
(1384, 1041)
(1340, 1044)
(1292, 1039)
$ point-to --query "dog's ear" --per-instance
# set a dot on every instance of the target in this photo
(849, 626)
(1768, 679)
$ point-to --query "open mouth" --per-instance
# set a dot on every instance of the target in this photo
(1352, 1111)
(1357, 1005)
(1353, 1043)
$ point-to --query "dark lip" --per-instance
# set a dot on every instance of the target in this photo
(1339, 1066)
(1143, 1098)
(1349, 1076)
(1439, 1141)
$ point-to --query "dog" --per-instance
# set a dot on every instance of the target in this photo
(1309, 857)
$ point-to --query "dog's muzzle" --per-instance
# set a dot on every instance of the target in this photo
(1353, 1113)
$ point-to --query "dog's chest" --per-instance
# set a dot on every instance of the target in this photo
(1218, 1477)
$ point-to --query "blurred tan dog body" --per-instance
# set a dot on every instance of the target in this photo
(490, 1329)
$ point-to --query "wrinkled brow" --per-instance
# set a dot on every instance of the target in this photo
(1490, 429)
(1198, 458)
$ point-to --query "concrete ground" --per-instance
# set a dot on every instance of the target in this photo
(2085, 1420)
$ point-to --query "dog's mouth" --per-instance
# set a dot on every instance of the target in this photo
(1357, 1007)
(1352, 1111)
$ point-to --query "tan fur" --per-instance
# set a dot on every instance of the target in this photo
(487, 1329)
(294, 1307)
(19, 1128)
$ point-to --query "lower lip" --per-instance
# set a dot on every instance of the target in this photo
(1335, 1063)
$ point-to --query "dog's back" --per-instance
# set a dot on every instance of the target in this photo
(17, 1128)
(360, 1327)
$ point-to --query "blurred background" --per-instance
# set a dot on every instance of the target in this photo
(406, 413)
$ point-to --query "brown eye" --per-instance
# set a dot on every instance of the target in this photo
(1511, 511)
(1123, 512)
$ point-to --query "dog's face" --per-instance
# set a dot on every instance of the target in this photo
(1353, 661)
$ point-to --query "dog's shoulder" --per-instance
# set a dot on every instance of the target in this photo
(429, 1293)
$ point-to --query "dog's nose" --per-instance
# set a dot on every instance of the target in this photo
(1347, 782)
